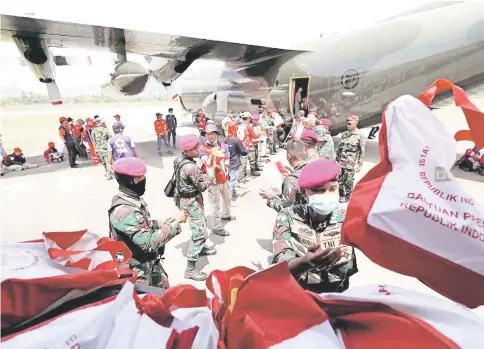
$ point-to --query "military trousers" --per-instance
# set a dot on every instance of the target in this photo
(253, 159)
(197, 222)
(103, 159)
(219, 196)
(243, 168)
(346, 181)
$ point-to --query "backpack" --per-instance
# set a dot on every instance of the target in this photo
(171, 185)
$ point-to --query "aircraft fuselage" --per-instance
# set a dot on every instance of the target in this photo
(353, 73)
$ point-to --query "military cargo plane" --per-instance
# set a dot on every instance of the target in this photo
(350, 73)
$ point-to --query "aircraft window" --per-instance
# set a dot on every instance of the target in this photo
(277, 83)
(215, 97)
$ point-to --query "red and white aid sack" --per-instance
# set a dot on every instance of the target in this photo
(274, 173)
(127, 321)
(267, 310)
(40, 275)
(385, 316)
(409, 215)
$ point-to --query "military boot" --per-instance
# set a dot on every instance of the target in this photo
(208, 251)
(254, 172)
(191, 272)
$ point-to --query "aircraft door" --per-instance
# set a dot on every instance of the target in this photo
(299, 94)
(222, 102)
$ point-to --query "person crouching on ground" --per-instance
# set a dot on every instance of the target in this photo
(17, 162)
(52, 154)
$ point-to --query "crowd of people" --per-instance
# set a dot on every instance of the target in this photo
(309, 203)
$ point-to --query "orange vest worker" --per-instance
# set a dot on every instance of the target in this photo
(161, 127)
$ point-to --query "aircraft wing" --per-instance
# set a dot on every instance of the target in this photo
(72, 35)
(35, 35)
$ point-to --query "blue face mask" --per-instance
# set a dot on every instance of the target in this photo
(323, 204)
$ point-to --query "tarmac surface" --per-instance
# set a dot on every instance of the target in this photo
(58, 198)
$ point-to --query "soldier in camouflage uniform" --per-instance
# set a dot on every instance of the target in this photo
(325, 143)
(290, 193)
(328, 149)
(308, 236)
(130, 221)
(350, 154)
(100, 137)
(190, 184)
(310, 139)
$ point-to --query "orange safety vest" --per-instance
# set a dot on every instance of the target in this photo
(220, 175)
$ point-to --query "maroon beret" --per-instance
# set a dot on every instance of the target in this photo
(310, 135)
(255, 117)
(353, 118)
(315, 173)
(326, 122)
(130, 166)
(188, 142)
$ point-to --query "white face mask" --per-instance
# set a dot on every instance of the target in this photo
(323, 204)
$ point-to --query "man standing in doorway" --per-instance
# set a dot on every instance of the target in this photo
(119, 145)
(298, 100)
(67, 139)
(172, 125)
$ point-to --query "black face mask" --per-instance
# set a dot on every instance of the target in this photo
(139, 188)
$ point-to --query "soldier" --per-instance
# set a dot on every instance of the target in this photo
(219, 190)
(190, 184)
(130, 222)
(100, 137)
(350, 154)
(329, 143)
(251, 138)
(290, 194)
(325, 144)
(308, 236)
(310, 139)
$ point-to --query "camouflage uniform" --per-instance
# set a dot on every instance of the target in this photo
(130, 222)
(190, 183)
(272, 139)
(291, 194)
(350, 154)
(294, 231)
(327, 150)
(100, 137)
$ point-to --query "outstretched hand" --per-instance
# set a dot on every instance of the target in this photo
(323, 259)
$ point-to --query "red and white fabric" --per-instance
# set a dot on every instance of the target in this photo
(274, 173)
(267, 309)
(385, 316)
(409, 215)
(278, 121)
(38, 276)
(124, 321)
